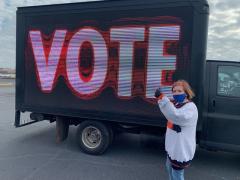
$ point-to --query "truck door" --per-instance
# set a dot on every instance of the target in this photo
(222, 122)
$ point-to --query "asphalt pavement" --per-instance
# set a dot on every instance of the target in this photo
(31, 153)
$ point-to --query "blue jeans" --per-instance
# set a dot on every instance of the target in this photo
(174, 174)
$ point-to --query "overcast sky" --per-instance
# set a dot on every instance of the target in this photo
(223, 38)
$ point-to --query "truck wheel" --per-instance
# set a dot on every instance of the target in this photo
(62, 128)
(93, 137)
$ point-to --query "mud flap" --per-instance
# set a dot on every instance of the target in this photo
(62, 128)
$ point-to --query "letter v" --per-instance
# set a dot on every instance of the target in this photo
(47, 66)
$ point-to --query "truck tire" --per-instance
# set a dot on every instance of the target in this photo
(62, 128)
(93, 137)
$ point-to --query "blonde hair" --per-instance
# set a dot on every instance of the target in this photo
(186, 87)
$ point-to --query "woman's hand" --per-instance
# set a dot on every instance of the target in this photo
(159, 93)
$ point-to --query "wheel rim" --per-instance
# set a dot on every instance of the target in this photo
(91, 137)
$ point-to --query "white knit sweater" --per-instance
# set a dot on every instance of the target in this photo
(180, 146)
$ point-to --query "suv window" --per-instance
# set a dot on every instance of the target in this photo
(229, 81)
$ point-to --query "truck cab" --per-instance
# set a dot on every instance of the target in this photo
(221, 114)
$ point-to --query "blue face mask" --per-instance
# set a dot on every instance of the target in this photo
(179, 98)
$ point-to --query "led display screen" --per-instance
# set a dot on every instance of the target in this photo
(106, 61)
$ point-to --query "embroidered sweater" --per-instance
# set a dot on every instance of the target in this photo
(180, 146)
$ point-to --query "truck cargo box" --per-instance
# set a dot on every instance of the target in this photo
(103, 60)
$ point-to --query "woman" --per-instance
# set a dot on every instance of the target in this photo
(180, 140)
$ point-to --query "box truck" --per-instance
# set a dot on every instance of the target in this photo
(96, 65)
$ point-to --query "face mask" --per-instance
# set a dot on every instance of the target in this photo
(179, 98)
